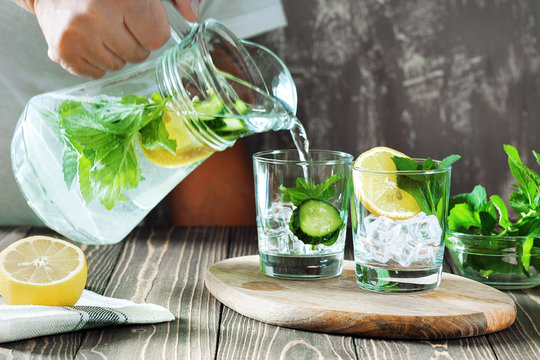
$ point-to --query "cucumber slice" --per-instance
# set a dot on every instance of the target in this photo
(241, 107)
(316, 222)
(232, 124)
(208, 109)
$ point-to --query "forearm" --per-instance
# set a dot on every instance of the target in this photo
(25, 4)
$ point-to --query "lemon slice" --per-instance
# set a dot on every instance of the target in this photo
(376, 186)
(42, 270)
(188, 148)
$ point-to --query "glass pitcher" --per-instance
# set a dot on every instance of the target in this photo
(94, 159)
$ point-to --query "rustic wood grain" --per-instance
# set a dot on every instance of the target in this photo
(522, 340)
(245, 338)
(165, 267)
(458, 349)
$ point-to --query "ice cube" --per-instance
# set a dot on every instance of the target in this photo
(380, 229)
(277, 217)
(429, 231)
(403, 247)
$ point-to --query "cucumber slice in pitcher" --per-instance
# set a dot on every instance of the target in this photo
(241, 107)
(232, 124)
(208, 109)
(316, 222)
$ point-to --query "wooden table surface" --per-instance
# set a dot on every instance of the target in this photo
(166, 266)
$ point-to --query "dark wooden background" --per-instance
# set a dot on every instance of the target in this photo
(429, 78)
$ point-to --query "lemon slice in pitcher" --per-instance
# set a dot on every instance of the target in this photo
(42, 270)
(376, 186)
(188, 148)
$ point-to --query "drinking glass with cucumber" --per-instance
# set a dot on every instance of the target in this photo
(315, 220)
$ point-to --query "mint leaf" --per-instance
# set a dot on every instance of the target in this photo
(537, 156)
(325, 191)
(462, 217)
(515, 161)
(524, 255)
(305, 191)
(154, 134)
(519, 202)
(476, 198)
(85, 182)
(448, 161)
(429, 164)
(405, 164)
(528, 226)
(70, 161)
(499, 204)
(417, 190)
(488, 218)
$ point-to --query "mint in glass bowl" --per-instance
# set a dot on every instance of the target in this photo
(493, 243)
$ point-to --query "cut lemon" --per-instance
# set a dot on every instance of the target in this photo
(42, 270)
(188, 148)
(376, 185)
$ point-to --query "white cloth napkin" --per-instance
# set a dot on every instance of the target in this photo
(19, 322)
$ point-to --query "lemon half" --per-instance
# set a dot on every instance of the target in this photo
(376, 186)
(42, 270)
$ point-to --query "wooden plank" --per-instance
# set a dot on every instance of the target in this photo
(165, 267)
(245, 338)
(522, 340)
(10, 234)
(468, 348)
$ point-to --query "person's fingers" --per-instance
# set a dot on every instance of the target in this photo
(125, 46)
(78, 66)
(73, 46)
(89, 69)
(188, 8)
(151, 27)
(102, 58)
(88, 37)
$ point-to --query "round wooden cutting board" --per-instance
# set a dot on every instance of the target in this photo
(459, 307)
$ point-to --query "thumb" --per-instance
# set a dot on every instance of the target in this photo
(189, 9)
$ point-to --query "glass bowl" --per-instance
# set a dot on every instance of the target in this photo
(504, 262)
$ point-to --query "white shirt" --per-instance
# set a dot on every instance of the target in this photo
(25, 71)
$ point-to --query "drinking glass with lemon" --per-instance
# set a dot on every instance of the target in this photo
(398, 212)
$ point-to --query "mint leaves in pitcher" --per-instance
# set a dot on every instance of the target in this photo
(100, 146)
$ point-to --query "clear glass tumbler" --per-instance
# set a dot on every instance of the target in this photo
(302, 209)
(399, 251)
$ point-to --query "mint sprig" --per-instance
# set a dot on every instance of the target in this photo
(100, 148)
(473, 213)
(426, 189)
(306, 190)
